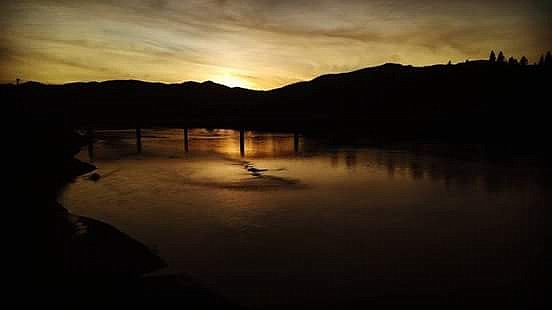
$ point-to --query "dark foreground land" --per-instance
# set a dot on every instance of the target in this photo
(500, 107)
(78, 257)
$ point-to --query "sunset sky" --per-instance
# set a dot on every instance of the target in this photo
(255, 43)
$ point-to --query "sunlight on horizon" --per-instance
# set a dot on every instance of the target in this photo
(255, 44)
(231, 80)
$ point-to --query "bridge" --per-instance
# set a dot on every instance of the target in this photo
(138, 138)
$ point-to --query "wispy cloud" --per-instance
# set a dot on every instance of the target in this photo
(267, 43)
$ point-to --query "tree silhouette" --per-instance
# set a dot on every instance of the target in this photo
(541, 60)
(501, 59)
(548, 59)
(450, 62)
(524, 61)
(492, 57)
(512, 61)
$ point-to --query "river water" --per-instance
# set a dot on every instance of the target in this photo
(303, 222)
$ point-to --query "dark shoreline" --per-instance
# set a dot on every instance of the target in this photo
(82, 257)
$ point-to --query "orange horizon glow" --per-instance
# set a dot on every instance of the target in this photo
(255, 44)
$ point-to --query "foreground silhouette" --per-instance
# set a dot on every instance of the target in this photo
(77, 256)
(478, 101)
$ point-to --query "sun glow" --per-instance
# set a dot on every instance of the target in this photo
(232, 81)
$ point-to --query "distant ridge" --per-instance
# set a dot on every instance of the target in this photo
(476, 99)
(128, 82)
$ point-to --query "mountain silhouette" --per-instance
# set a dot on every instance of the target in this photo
(476, 99)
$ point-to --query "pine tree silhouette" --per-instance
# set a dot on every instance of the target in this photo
(512, 61)
(524, 61)
(501, 59)
(492, 57)
(548, 59)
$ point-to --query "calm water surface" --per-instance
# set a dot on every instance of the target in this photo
(317, 224)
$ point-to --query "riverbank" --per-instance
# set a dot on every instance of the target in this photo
(80, 256)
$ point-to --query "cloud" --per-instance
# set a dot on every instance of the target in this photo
(268, 43)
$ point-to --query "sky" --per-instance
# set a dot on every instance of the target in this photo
(257, 44)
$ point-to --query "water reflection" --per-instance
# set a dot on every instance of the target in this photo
(453, 173)
(339, 220)
(228, 142)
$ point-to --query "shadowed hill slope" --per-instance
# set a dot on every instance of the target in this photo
(468, 99)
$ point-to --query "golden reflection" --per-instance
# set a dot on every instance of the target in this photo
(267, 145)
(221, 141)
(272, 151)
(256, 144)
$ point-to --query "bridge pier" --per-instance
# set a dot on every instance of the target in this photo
(242, 142)
(296, 142)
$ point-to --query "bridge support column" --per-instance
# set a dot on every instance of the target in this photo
(296, 142)
(242, 142)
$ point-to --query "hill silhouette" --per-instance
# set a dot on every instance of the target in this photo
(472, 100)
